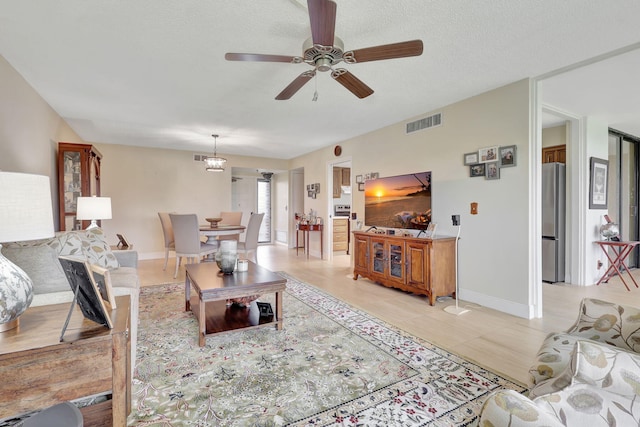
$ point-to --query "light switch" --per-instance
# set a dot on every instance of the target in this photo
(474, 208)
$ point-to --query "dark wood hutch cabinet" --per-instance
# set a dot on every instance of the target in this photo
(78, 176)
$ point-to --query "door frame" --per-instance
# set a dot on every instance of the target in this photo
(329, 222)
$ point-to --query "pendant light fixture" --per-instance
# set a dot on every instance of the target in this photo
(215, 163)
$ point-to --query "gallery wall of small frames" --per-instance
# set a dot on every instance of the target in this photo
(313, 190)
(488, 161)
(360, 179)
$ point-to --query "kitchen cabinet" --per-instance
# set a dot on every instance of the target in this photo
(346, 176)
(340, 234)
(557, 153)
(341, 177)
(337, 181)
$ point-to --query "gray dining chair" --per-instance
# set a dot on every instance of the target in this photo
(250, 244)
(187, 239)
(169, 240)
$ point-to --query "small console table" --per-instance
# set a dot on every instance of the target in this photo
(306, 228)
(621, 251)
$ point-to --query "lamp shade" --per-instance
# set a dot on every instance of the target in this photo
(25, 214)
(90, 208)
(25, 207)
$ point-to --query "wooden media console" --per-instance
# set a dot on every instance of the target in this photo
(422, 266)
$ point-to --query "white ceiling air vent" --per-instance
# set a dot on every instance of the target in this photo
(425, 123)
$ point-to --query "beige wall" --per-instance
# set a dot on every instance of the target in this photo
(556, 135)
(494, 248)
(140, 181)
(29, 129)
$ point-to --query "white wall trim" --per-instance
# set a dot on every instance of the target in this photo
(505, 306)
(535, 202)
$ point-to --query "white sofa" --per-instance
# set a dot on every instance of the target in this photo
(39, 259)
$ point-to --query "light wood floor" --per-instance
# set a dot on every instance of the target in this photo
(498, 341)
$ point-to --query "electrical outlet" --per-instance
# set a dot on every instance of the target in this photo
(599, 264)
(455, 219)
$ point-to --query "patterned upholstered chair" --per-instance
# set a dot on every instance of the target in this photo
(588, 375)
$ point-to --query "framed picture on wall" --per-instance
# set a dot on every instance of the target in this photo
(493, 170)
(488, 154)
(471, 158)
(507, 156)
(598, 183)
(477, 170)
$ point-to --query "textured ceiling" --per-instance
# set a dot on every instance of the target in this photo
(152, 72)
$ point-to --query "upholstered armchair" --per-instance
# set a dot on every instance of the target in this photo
(586, 376)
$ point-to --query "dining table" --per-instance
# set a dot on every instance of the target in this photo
(221, 230)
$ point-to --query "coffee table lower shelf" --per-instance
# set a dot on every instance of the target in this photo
(221, 318)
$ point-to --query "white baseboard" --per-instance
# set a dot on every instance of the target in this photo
(509, 307)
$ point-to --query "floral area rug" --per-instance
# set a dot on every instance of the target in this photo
(331, 365)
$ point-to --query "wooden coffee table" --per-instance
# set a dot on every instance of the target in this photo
(213, 289)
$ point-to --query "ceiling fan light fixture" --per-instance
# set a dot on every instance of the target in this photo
(215, 163)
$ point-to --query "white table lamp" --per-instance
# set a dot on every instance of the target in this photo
(25, 214)
(93, 208)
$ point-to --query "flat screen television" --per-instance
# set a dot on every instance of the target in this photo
(402, 201)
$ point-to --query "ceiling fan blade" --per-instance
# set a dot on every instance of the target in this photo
(351, 82)
(387, 51)
(295, 85)
(262, 58)
(322, 14)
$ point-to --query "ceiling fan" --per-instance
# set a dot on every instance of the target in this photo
(323, 50)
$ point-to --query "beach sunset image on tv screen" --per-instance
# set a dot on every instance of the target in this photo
(402, 201)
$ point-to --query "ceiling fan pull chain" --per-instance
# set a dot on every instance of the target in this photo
(315, 94)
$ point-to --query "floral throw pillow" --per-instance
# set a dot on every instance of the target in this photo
(97, 250)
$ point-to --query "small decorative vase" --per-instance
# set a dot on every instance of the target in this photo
(227, 256)
(16, 293)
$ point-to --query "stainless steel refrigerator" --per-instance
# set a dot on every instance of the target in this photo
(553, 222)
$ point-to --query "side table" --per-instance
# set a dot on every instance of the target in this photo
(306, 228)
(621, 251)
(39, 371)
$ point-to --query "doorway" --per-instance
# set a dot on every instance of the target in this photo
(339, 206)
(624, 168)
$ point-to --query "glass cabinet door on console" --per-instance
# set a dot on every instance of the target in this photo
(378, 258)
(387, 259)
(78, 176)
(396, 260)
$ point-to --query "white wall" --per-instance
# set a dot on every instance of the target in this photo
(597, 145)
